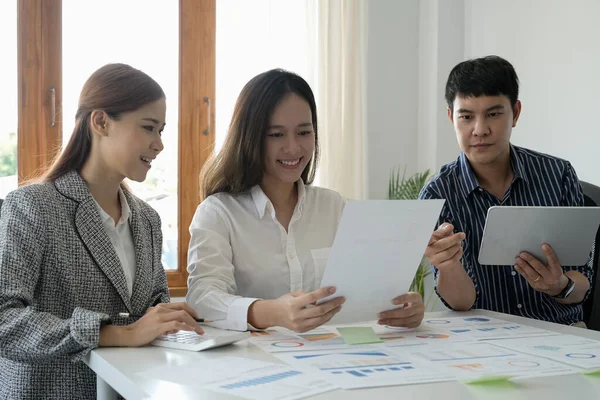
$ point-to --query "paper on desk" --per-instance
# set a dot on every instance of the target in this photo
(242, 377)
(467, 320)
(282, 340)
(197, 373)
(568, 349)
(378, 246)
(483, 360)
(497, 331)
(364, 367)
(474, 328)
(274, 382)
(423, 335)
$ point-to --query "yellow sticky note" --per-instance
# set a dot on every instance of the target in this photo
(489, 380)
(359, 335)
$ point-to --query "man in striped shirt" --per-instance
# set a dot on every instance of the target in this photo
(483, 106)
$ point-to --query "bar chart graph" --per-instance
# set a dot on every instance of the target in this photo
(361, 372)
(364, 368)
(262, 380)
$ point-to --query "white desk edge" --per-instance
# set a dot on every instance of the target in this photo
(111, 379)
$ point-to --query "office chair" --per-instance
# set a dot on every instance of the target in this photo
(591, 307)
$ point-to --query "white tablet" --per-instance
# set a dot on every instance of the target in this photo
(570, 231)
(375, 254)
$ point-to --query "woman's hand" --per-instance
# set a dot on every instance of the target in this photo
(296, 311)
(162, 319)
(409, 316)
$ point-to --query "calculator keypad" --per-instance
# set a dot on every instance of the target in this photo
(187, 337)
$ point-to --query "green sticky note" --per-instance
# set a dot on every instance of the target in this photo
(595, 372)
(489, 380)
(359, 335)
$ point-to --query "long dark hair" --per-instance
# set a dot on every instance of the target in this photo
(113, 88)
(240, 164)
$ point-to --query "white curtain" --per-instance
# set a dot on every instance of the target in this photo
(339, 75)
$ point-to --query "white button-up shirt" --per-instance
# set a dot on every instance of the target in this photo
(121, 238)
(239, 252)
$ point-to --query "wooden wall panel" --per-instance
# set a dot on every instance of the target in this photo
(196, 83)
(39, 54)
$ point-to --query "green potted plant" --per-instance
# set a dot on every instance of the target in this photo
(403, 188)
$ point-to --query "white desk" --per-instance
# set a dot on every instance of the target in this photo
(117, 367)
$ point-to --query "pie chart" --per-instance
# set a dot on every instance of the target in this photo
(438, 321)
(433, 336)
(287, 344)
(524, 363)
(581, 355)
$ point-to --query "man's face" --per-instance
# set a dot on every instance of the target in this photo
(483, 126)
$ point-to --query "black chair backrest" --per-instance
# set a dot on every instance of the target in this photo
(591, 307)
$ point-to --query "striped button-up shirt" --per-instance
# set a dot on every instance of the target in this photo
(539, 180)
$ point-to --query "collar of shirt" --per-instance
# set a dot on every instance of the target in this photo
(263, 204)
(125, 211)
(469, 180)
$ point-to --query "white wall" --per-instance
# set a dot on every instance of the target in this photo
(553, 45)
(411, 47)
(392, 66)
(441, 46)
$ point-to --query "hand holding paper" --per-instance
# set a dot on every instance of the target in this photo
(296, 311)
(377, 249)
(409, 316)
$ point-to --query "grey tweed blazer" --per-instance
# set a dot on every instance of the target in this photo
(60, 280)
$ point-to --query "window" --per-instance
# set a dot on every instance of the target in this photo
(254, 37)
(88, 45)
(172, 41)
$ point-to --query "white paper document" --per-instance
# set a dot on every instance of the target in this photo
(364, 367)
(447, 322)
(481, 359)
(423, 335)
(282, 340)
(274, 382)
(370, 367)
(567, 349)
(375, 254)
(483, 328)
(279, 340)
(197, 373)
(243, 377)
(432, 331)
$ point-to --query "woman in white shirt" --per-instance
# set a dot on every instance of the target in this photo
(259, 240)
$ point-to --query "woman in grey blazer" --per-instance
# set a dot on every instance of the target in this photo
(78, 248)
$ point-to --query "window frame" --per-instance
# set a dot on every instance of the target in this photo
(39, 61)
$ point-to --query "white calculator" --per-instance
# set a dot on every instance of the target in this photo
(190, 340)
